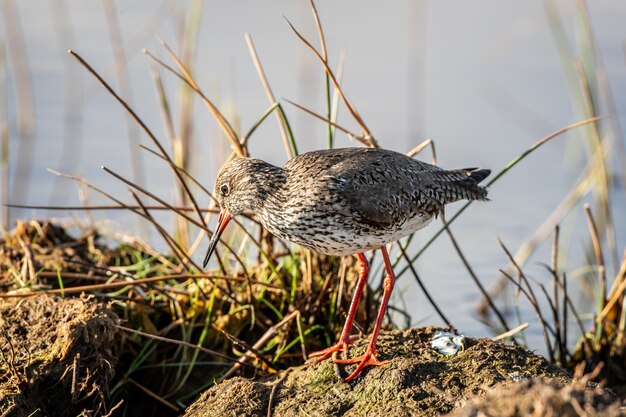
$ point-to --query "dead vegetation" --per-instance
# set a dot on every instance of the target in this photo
(57, 356)
(179, 332)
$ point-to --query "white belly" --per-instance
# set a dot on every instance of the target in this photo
(341, 241)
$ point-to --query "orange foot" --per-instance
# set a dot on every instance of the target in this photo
(367, 359)
(322, 355)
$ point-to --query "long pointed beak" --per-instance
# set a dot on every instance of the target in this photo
(222, 221)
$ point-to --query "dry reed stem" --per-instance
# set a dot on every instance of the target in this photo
(330, 122)
(219, 117)
(366, 134)
(329, 108)
(268, 92)
(123, 79)
(176, 342)
(154, 395)
(254, 352)
(526, 249)
(597, 248)
(419, 148)
(141, 124)
(472, 274)
(271, 332)
(530, 295)
(510, 333)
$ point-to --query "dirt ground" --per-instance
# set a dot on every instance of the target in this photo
(540, 397)
(57, 356)
(417, 381)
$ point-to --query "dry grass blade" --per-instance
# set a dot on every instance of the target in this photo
(154, 395)
(154, 197)
(268, 90)
(271, 332)
(123, 78)
(329, 108)
(140, 213)
(419, 148)
(506, 169)
(560, 322)
(361, 139)
(535, 306)
(351, 108)
(423, 288)
(511, 332)
(178, 143)
(176, 342)
(558, 346)
(164, 106)
(107, 207)
(219, 117)
(568, 302)
(105, 286)
(472, 274)
(597, 248)
(320, 31)
(616, 295)
(530, 295)
(143, 126)
(247, 347)
(176, 249)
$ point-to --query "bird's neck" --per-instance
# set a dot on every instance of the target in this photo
(270, 181)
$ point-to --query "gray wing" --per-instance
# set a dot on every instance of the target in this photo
(385, 188)
(382, 187)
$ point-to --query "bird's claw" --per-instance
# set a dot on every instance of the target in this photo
(322, 355)
(367, 359)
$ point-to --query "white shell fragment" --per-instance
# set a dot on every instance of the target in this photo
(447, 343)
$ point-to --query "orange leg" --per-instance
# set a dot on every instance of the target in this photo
(369, 358)
(344, 339)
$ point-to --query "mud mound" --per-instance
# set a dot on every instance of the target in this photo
(417, 381)
(539, 398)
(57, 356)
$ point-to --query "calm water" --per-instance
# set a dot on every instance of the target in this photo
(483, 79)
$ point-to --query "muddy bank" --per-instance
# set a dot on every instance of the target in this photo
(539, 398)
(57, 356)
(417, 381)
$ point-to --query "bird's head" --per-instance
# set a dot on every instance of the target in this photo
(242, 184)
(238, 187)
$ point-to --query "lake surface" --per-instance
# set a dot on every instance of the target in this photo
(483, 79)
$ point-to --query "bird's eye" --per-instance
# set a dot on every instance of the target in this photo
(224, 189)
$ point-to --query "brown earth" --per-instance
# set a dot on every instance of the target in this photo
(57, 356)
(539, 398)
(417, 381)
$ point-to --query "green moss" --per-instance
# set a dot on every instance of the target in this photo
(417, 381)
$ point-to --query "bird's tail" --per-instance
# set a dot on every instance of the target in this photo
(465, 185)
(470, 184)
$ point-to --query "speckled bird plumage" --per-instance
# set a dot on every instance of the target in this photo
(344, 201)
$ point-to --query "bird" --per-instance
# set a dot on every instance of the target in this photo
(341, 202)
